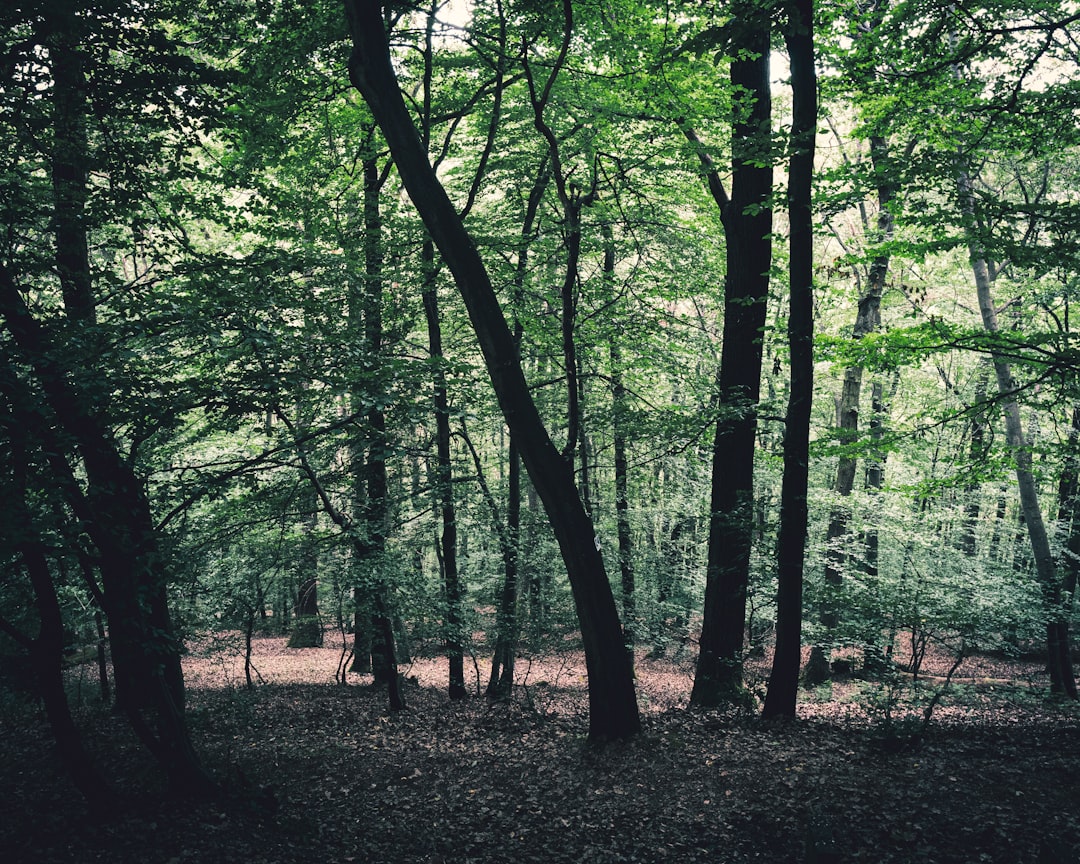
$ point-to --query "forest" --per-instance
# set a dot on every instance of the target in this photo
(552, 430)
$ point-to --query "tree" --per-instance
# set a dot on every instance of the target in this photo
(791, 543)
(857, 67)
(612, 703)
(58, 351)
(747, 220)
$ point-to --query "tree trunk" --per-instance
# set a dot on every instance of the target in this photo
(1068, 516)
(444, 482)
(791, 543)
(1059, 659)
(46, 650)
(372, 548)
(867, 321)
(507, 625)
(622, 494)
(747, 219)
(977, 450)
(117, 516)
(612, 702)
(307, 631)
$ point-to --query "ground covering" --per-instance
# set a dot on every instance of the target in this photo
(314, 771)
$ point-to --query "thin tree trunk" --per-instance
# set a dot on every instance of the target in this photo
(507, 625)
(622, 493)
(1059, 659)
(791, 543)
(977, 454)
(444, 481)
(373, 548)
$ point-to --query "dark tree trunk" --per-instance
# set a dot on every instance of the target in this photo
(791, 544)
(145, 652)
(370, 544)
(444, 482)
(69, 161)
(46, 650)
(102, 659)
(612, 702)
(1064, 588)
(117, 517)
(501, 682)
(507, 625)
(362, 635)
(307, 631)
(747, 219)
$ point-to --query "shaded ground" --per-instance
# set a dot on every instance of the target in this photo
(324, 773)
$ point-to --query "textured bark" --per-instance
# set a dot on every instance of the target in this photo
(791, 543)
(612, 702)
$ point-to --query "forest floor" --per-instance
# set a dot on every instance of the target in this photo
(319, 772)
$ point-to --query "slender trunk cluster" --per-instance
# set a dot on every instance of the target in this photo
(109, 505)
(1057, 634)
(612, 703)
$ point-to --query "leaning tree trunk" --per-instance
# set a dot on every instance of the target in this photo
(612, 702)
(791, 544)
(118, 520)
(1057, 639)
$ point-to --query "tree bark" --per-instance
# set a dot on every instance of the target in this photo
(612, 701)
